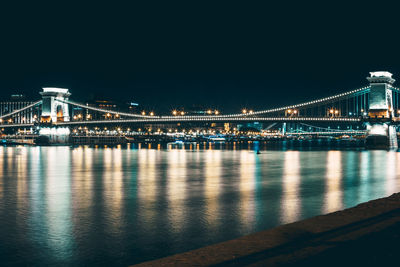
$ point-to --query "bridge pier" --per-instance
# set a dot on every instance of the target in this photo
(54, 135)
(381, 136)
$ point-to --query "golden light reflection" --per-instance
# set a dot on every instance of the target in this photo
(334, 195)
(113, 188)
(146, 185)
(36, 177)
(58, 196)
(176, 188)
(82, 177)
(365, 175)
(291, 181)
(212, 184)
(21, 174)
(10, 151)
(247, 183)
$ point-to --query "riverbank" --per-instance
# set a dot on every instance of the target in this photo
(367, 234)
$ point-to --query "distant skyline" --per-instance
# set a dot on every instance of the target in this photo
(226, 56)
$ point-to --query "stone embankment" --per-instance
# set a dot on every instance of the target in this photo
(368, 234)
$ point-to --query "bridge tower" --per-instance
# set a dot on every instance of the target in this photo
(380, 97)
(380, 132)
(53, 110)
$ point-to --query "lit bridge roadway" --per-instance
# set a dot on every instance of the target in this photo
(350, 107)
(200, 119)
(209, 119)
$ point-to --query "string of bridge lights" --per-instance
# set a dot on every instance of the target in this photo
(181, 114)
(312, 102)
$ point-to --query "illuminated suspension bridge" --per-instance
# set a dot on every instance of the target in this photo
(374, 107)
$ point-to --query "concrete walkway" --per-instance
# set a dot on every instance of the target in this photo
(368, 234)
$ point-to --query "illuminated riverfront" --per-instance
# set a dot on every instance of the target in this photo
(199, 134)
(372, 111)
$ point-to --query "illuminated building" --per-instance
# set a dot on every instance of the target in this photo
(16, 102)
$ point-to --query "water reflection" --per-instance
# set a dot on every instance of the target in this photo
(82, 180)
(391, 171)
(334, 195)
(72, 206)
(290, 183)
(113, 189)
(1, 171)
(147, 187)
(247, 183)
(58, 195)
(176, 187)
(365, 171)
(212, 182)
(22, 184)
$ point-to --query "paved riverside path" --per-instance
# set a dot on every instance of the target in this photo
(368, 234)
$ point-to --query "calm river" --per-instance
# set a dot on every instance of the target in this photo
(118, 206)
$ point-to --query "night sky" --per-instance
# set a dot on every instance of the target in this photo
(225, 55)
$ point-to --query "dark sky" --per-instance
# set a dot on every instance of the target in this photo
(226, 55)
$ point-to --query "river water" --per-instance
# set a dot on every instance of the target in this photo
(118, 206)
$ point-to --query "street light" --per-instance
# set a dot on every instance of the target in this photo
(174, 112)
(216, 112)
(182, 113)
(143, 113)
(244, 111)
(152, 113)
